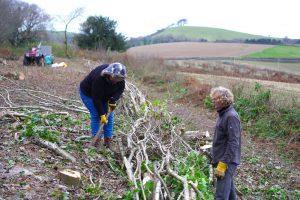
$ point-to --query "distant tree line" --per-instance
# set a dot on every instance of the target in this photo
(152, 39)
(271, 41)
(264, 41)
(161, 39)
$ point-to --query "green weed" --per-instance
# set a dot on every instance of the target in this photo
(93, 190)
(260, 118)
(296, 194)
(249, 108)
(253, 160)
(60, 195)
(25, 159)
(48, 126)
(208, 103)
(275, 192)
(11, 163)
(245, 190)
(195, 168)
(74, 146)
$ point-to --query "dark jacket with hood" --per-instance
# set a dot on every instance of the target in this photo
(227, 137)
(100, 89)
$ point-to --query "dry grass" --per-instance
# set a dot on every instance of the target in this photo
(7, 54)
(284, 94)
(234, 70)
(292, 68)
(196, 91)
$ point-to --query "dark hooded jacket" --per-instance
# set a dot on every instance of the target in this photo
(227, 137)
(100, 89)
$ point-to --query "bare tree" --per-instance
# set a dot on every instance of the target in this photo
(67, 20)
(21, 22)
(34, 21)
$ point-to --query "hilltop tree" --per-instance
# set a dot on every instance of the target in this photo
(99, 33)
(182, 22)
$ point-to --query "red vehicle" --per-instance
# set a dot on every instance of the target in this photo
(34, 57)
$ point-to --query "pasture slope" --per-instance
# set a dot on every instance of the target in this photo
(208, 33)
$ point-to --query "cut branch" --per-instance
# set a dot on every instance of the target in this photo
(53, 147)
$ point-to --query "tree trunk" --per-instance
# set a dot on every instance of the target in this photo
(66, 42)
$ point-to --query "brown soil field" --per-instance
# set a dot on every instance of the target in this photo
(196, 49)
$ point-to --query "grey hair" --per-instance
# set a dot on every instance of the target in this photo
(223, 94)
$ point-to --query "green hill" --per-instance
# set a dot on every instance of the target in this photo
(210, 34)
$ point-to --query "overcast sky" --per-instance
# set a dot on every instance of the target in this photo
(275, 18)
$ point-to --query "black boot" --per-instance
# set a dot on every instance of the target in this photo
(98, 144)
(107, 141)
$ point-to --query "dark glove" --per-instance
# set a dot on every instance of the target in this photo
(220, 170)
(111, 106)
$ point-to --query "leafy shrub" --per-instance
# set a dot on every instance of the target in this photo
(260, 118)
(249, 108)
(208, 103)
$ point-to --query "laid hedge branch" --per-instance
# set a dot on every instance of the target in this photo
(182, 179)
(152, 134)
(53, 147)
(146, 136)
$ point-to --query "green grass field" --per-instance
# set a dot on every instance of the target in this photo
(278, 52)
(211, 34)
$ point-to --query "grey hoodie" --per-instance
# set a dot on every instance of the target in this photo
(227, 137)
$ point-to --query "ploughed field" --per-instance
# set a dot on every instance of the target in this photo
(196, 50)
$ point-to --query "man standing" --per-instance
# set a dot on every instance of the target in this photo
(226, 151)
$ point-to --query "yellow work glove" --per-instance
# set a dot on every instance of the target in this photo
(103, 119)
(220, 170)
(111, 106)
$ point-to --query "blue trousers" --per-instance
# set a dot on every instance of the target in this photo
(225, 187)
(95, 118)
